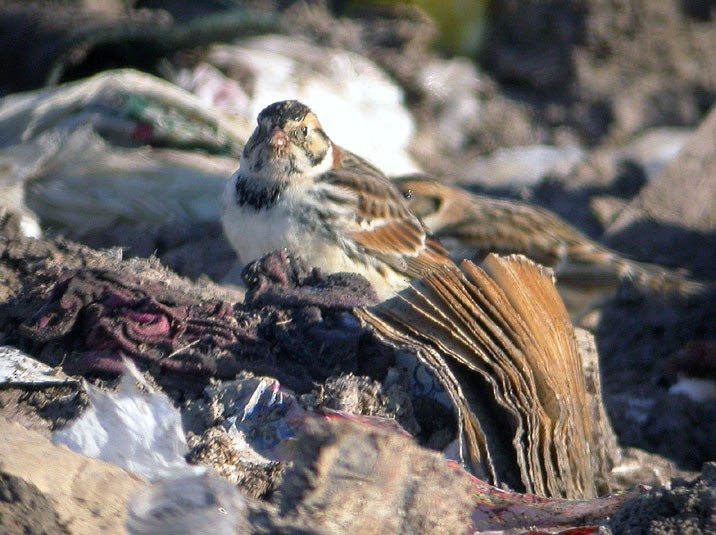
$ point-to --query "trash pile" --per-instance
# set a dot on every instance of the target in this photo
(150, 384)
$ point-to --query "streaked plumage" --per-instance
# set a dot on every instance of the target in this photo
(472, 226)
(296, 189)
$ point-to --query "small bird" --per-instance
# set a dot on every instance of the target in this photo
(298, 190)
(472, 226)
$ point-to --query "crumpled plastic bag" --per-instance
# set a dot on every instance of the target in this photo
(121, 146)
(359, 106)
(187, 505)
(140, 432)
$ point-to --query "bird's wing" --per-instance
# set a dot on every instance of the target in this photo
(478, 225)
(473, 226)
(383, 225)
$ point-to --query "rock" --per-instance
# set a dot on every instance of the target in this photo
(684, 194)
(675, 214)
(656, 148)
(686, 507)
(88, 496)
(606, 208)
(369, 481)
(24, 509)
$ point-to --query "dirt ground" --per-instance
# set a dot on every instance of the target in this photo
(596, 74)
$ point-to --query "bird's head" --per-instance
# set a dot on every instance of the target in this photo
(288, 143)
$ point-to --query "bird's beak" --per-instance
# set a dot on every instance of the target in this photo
(278, 138)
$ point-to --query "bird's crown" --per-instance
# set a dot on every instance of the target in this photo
(286, 110)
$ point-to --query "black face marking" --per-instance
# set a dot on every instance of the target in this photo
(259, 198)
(279, 113)
(318, 157)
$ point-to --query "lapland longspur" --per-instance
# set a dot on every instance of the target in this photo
(296, 189)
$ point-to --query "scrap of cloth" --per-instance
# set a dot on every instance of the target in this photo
(100, 315)
(95, 317)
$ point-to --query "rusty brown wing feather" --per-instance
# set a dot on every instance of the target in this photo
(384, 227)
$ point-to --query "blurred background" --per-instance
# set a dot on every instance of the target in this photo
(120, 122)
